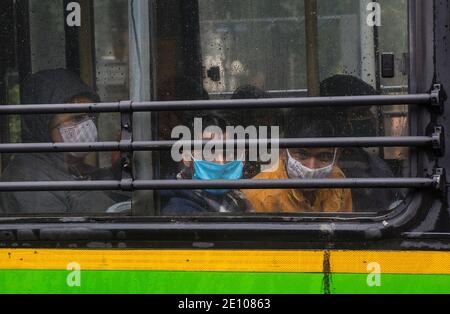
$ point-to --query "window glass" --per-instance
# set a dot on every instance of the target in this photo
(266, 49)
(171, 50)
(65, 53)
(112, 65)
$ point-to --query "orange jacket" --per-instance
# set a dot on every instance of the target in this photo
(295, 201)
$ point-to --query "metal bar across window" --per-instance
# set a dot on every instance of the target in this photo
(142, 185)
(353, 101)
(126, 107)
(304, 92)
(412, 141)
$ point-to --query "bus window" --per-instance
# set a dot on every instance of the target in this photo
(270, 49)
(64, 54)
(177, 50)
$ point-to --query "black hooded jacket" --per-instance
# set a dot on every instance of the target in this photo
(356, 162)
(50, 87)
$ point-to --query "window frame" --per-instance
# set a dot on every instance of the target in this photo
(320, 227)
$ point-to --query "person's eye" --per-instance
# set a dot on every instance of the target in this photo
(303, 155)
(326, 157)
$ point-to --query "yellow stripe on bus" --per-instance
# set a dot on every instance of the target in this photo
(171, 260)
(230, 261)
(391, 262)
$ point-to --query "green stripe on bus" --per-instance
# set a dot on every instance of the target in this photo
(153, 282)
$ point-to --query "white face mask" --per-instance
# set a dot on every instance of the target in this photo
(83, 132)
(296, 170)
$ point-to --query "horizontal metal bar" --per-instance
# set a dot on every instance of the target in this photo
(42, 186)
(60, 147)
(376, 100)
(385, 90)
(143, 185)
(285, 184)
(61, 108)
(278, 103)
(405, 141)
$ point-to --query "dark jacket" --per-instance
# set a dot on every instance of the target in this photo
(51, 87)
(357, 163)
(188, 203)
(198, 202)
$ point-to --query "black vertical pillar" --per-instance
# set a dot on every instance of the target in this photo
(23, 45)
(312, 47)
(7, 49)
(192, 58)
(72, 43)
(7, 62)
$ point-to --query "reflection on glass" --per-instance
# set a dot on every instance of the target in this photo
(56, 87)
(260, 47)
(112, 64)
(60, 69)
(224, 49)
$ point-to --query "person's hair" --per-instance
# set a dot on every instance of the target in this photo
(345, 85)
(252, 116)
(304, 126)
(249, 92)
(56, 86)
(210, 119)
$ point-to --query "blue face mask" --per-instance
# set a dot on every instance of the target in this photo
(205, 170)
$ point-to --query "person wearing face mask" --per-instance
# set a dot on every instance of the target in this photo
(194, 167)
(303, 163)
(56, 87)
(356, 162)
